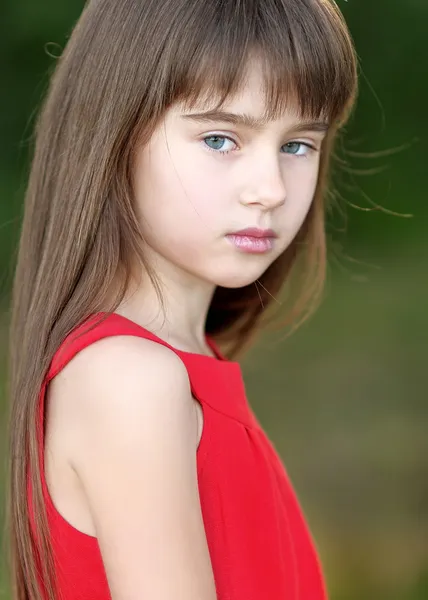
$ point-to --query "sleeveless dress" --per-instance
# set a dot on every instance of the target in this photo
(259, 542)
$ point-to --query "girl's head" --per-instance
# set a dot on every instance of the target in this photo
(252, 106)
(206, 173)
(123, 171)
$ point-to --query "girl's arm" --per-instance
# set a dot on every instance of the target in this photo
(134, 439)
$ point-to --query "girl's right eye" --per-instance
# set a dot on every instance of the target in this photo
(217, 143)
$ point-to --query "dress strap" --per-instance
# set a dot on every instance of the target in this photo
(213, 380)
(97, 327)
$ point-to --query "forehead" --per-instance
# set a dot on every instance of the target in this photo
(250, 98)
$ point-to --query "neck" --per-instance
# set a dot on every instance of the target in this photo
(186, 301)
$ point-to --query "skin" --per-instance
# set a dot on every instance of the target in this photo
(191, 189)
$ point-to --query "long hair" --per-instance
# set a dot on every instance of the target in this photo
(125, 64)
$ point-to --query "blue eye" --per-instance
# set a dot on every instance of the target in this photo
(217, 143)
(223, 145)
(295, 146)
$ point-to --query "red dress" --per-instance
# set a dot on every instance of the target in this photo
(259, 543)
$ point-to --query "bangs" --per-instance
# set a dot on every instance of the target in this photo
(306, 54)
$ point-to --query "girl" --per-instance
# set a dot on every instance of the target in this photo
(177, 184)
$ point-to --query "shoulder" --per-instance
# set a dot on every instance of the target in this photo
(124, 360)
(121, 382)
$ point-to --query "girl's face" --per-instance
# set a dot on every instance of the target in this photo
(202, 177)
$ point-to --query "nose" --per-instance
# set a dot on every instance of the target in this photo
(264, 186)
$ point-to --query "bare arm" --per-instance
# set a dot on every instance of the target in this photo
(135, 454)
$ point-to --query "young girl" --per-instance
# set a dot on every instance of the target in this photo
(177, 183)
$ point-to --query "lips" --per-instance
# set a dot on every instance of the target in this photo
(253, 240)
(254, 232)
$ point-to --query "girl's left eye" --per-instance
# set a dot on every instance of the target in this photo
(293, 148)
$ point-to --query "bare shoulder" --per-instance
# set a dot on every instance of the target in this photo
(118, 359)
(120, 388)
(127, 374)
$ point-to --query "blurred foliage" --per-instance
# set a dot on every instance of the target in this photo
(345, 398)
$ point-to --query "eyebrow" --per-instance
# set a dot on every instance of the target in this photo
(251, 122)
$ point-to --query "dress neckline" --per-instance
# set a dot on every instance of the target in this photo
(217, 358)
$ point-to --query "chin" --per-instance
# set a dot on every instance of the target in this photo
(239, 279)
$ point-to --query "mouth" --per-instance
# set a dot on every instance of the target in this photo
(253, 240)
(255, 232)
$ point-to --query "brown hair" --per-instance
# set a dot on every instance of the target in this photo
(125, 63)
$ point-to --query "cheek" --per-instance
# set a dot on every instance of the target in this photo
(308, 185)
(300, 193)
(177, 194)
(312, 188)
(200, 181)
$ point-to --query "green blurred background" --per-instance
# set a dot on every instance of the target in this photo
(344, 399)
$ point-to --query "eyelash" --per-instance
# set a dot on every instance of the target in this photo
(225, 137)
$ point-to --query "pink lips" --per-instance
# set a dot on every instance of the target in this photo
(253, 240)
